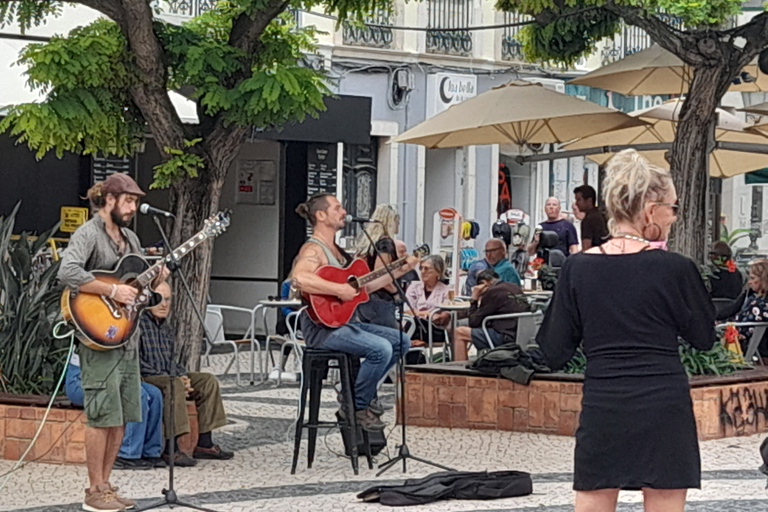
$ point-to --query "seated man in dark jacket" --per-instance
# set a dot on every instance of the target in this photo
(490, 297)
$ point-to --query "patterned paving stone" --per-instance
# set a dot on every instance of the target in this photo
(260, 431)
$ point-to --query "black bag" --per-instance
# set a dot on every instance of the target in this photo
(376, 440)
(459, 485)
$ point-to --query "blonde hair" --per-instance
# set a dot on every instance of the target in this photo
(759, 268)
(630, 182)
(387, 227)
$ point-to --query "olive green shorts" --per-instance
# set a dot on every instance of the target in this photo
(111, 386)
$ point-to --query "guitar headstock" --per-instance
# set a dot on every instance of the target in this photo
(216, 224)
(421, 251)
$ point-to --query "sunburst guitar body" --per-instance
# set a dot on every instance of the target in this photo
(102, 323)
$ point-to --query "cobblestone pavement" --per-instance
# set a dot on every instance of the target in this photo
(258, 478)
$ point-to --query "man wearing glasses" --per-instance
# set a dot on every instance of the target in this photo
(496, 259)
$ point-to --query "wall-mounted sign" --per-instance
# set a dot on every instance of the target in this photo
(255, 182)
(72, 217)
(446, 89)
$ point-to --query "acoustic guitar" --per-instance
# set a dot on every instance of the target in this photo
(101, 323)
(330, 310)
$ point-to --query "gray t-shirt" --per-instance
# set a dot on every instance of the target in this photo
(91, 248)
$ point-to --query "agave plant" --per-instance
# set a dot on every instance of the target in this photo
(31, 359)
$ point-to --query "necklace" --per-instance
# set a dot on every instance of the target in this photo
(632, 237)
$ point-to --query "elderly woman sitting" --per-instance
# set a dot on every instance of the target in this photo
(752, 304)
(425, 295)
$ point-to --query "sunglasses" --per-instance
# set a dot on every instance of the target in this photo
(675, 206)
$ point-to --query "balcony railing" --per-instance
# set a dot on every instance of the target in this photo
(366, 35)
(449, 14)
(511, 47)
(631, 39)
(189, 8)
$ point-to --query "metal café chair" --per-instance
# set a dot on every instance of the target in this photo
(214, 327)
(527, 326)
(754, 341)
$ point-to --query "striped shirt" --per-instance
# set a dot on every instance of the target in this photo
(156, 354)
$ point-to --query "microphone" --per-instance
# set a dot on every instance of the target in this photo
(350, 218)
(146, 209)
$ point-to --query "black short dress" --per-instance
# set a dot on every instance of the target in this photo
(637, 427)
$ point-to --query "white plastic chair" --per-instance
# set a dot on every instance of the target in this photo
(214, 328)
(294, 339)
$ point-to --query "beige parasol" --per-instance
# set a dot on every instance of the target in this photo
(519, 112)
(661, 127)
(657, 71)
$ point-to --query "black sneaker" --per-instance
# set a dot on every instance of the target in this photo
(367, 420)
(157, 462)
(140, 464)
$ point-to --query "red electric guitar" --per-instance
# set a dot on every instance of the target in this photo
(330, 310)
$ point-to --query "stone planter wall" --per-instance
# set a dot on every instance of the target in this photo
(729, 409)
(18, 425)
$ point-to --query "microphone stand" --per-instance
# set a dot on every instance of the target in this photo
(170, 498)
(403, 452)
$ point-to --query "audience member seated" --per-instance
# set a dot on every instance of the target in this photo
(425, 295)
(496, 259)
(726, 281)
(142, 442)
(490, 296)
(751, 305)
(158, 362)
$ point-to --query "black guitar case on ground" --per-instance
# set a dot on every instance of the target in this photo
(457, 485)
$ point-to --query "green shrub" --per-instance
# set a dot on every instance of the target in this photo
(31, 360)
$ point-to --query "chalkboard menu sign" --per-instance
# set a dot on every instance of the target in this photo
(321, 168)
(103, 166)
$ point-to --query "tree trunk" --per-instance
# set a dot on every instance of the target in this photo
(690, 157)
(194, 200)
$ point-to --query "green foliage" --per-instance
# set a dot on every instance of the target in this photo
(88, 109)
(567, 30)
(26, 14)
(180, 164)
(31, 360)
(731, 237)
(718, 361)
(88, 76)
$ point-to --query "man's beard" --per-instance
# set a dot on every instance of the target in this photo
(118, 220)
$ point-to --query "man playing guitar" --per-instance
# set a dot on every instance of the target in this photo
(379, 346)
(111, 381)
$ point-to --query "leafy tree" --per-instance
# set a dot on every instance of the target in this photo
(564, 30)
(107, 85)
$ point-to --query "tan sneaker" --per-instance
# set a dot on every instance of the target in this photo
(103, 499)
(128, 503)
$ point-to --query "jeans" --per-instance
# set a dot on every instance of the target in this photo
(481, 342)
(143, 439)
(380, 346)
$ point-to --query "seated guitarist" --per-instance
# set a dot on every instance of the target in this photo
(380, 346)
(110, 378)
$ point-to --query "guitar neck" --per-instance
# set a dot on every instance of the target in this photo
(372, 276)
(152, 272)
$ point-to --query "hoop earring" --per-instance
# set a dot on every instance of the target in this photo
(654, 235)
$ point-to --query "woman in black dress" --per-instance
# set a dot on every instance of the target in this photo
(628, 303)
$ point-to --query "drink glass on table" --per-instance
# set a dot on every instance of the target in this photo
(451, 295)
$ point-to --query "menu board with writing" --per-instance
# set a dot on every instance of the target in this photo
(321, 168)
(103, 166)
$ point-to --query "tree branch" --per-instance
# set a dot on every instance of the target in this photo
(662, 34)
(110, 8)
(247, 30)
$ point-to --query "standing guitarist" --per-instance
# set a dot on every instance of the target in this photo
(380, 346)
(111, 381)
